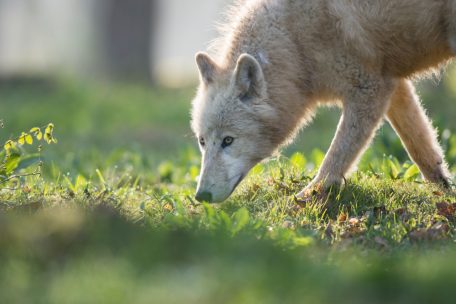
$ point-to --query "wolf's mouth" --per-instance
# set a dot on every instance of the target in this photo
(241, 177)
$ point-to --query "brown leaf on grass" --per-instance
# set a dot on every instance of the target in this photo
(354, 228)
(437, 232)
(438, 193)
(446, 209)
(354, 222)
(342, 218)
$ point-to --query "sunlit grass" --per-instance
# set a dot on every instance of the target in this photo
(118, 237)
(113, 218)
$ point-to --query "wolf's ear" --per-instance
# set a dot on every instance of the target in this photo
(207, 67)
(249, 78)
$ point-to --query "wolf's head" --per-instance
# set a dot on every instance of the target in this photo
(234, 123)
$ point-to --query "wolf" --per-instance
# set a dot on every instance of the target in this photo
(277, 60)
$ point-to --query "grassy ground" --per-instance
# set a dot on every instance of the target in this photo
(131, 231)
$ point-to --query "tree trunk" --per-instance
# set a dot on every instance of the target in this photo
(129, 32)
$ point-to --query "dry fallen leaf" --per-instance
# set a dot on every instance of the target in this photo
(342, 218)
(354, 228)
(446, 209)
(354, 222)
(438, 193)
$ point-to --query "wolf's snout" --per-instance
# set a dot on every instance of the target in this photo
(203, 196)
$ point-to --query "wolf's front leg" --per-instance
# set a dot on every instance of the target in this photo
(363, 111)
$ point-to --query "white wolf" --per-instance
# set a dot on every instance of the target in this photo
(279, 59)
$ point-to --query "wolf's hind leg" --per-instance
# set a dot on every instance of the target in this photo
(410, 122)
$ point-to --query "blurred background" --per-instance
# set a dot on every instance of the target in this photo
(148, 41)
(117, 78)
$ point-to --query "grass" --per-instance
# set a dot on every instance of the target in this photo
(113, 219)
(131, 240)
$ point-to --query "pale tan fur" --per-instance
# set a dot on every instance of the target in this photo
(355, 53)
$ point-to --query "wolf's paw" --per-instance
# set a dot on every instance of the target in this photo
(314, 192)
(442, 178)
(319, 191)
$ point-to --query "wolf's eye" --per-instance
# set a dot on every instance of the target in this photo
(202, 142)
(227, 141)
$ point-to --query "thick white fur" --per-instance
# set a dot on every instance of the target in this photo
(355, 53)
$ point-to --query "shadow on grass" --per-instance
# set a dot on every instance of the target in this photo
(97, 256)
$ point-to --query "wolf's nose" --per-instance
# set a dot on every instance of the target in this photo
(204, 196)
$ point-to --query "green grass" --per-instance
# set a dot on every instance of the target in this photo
(133, 239)
(113, 219)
